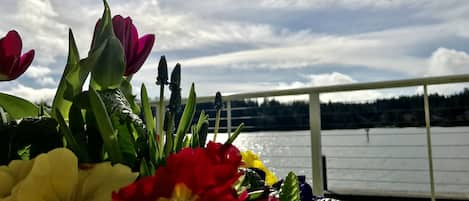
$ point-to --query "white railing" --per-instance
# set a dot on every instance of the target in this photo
(315, 114)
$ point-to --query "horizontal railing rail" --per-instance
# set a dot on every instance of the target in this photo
(344, 87)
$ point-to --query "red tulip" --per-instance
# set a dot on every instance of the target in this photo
(136, 49)
(12, 64)
(192, 174)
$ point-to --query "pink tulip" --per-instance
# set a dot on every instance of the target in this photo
(12, 63)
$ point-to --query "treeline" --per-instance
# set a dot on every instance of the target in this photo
(403, 111)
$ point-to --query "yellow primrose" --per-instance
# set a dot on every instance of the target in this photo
(55, 176)
(251, 160)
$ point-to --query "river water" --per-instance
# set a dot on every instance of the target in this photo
(387, 159)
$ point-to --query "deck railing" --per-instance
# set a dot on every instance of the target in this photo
(315, 114)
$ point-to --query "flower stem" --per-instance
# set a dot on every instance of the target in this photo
(217, 125)
(161, 118)
(169, 134)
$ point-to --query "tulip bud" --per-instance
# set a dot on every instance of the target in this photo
(175, 87)
(176, 78)
(218, 101)
(162, 78)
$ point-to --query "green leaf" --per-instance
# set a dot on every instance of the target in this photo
(187, 141)
(290, 190)
(3, 118)
(146, 168)
(149, 120)
(153, 149)
(200, 131)
(62, 103)
(105, 28)
(110, 66)
(195, 137)
(235, 134)
(127, 144)
(16, 107)
(72, 144)
(103, 121)
(254, 195)
(186, 119)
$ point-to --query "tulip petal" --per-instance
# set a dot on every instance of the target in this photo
(131, 50)
(145, 44)
(10, 50)
(11, 45)
(127, 34)
(24, 63)
(120, 29)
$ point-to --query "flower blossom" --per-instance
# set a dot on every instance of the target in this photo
(251, 160)
(55, 176)
(199, 174)
(12, 63)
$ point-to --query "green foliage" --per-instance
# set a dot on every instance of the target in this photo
(108, 134)
(290, 190)
(186, 119)
(72, 144)
(200, 131)
(17, 108)
(107, 74)
(235, 134)
(28, 138)
(149, 120)
(70, 80)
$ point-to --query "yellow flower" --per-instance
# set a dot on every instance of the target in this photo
(56, 176)
(251, 160)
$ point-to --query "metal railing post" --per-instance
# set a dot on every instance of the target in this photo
(316, 155)
(426, 106)
(228, 118)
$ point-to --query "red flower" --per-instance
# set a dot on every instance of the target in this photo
(190, 175)
(12, 64)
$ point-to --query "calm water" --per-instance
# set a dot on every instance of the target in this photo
(391, 159)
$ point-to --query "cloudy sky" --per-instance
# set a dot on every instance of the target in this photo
(244, 45)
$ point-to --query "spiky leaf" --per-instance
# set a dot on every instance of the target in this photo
(290, 190)
(186, 119)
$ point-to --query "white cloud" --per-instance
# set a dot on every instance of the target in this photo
(335, 78)
(347, 4)
(444, 61)
(41, 30)
(448, 61)
(324, 50)
(37, 71)
(41, 75)
(31, 94)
